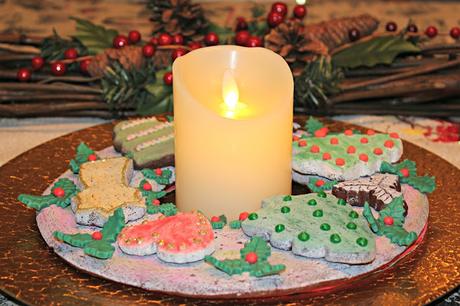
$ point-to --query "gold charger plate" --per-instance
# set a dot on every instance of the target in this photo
(31, 273)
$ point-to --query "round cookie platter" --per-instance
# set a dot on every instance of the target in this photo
(200, 279)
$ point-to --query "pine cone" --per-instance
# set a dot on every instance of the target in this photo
(177, 17)
(127, 56)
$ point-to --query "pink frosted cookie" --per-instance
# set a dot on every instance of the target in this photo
(185, 237)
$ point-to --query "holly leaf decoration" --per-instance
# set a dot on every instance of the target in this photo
(219, 224)
(82, 155)
(163, 179)
(425, 184)
(314, 186)
(312, 125)
(161, 100)
(113, 226)
(258, 269)
(101, 249)
(396, 168)
(235, 224)
(94, 37)
(76, 240)
(377, 50)
(40, 202)
(166, 209)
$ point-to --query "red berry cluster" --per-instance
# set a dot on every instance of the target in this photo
(430, 31)
(279, 11)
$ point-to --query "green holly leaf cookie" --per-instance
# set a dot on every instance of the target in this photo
(407, 172)
(83, 155)
(313, 225)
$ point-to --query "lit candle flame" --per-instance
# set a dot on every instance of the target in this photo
(230, 91)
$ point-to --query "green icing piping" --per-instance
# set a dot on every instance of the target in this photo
(425, 184)
(395, 232)
(237, 266)
(235, 224)
(327, 185)
(81, 157)
(40, 202)
(167, 209)
(163, 179)
(219, 224)
(102, 249)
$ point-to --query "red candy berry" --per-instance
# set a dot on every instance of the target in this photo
(322, 132)
(302, 143)
(92, 157)
(178, 39)
(363, 157)
(378, 151)
(194, 45)
(24, 74)
(389, 144)
(334, 141)
(280, 8)
(211, 39)
(388, 220)
(455, 32)
(241, 24)
(215, 219)
(158, 171)
(431, 32)
(96, 236)
(243, 216)
(364, 140)
(58, 192)
(251, 258)
(165, 39)
(340, 161)
(370, 132)
(156, 202)
(391, 26)
(242, 38)
(319, 183)
(134, 36)
(58, 68)
(394, 135)
(168, 78)
(314, 149)
(327, 156)
(148, 50)
(348, 132)
(254, 41)
(71, 53)
(37, 63)
(405, 172)
(147, 186)
(120, 41)
(300, 11)
(178, 53)
(84, 65)
(274, 19)
(351, 150)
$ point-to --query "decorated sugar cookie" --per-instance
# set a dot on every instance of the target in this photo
(106, 188)
(149, 141)
(313, 225)
(185, 237)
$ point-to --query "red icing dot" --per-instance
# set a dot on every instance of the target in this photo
(394, 135)
(334, 141)
(243, 216)
(147, 187)
(158, 171)
(364, 140)
(295, 138)
(156, 202)
(319, 183)
(389, 144)
(302, 143)
(58, 192)
(327, 156)
(340, 161)
(251, 257)
(388, 220)
(96, 235)
(348, 132)
(92, 157)
(314, 149)
(351, 150)
(370, 132)
(363, 157)
(405, 172)
(215, 219)
(378, 151)
(322, 132)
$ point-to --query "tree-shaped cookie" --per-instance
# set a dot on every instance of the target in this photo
(106, 189)
(313, 225)
(185, 237)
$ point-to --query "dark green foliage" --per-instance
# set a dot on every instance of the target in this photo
(94, 37)
(54, 46)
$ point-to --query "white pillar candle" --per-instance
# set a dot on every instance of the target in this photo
(233, 129)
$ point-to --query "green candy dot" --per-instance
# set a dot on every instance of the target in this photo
(318, 213)
(342, 202)
(325, 227)
(353, 214)
(287, 198)
(335, 238)
(285, 209)
(361, 241)
(253, 216)
(322, 194)
(279, 228)
(312, 202)
(303, 236)
(351, 225)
